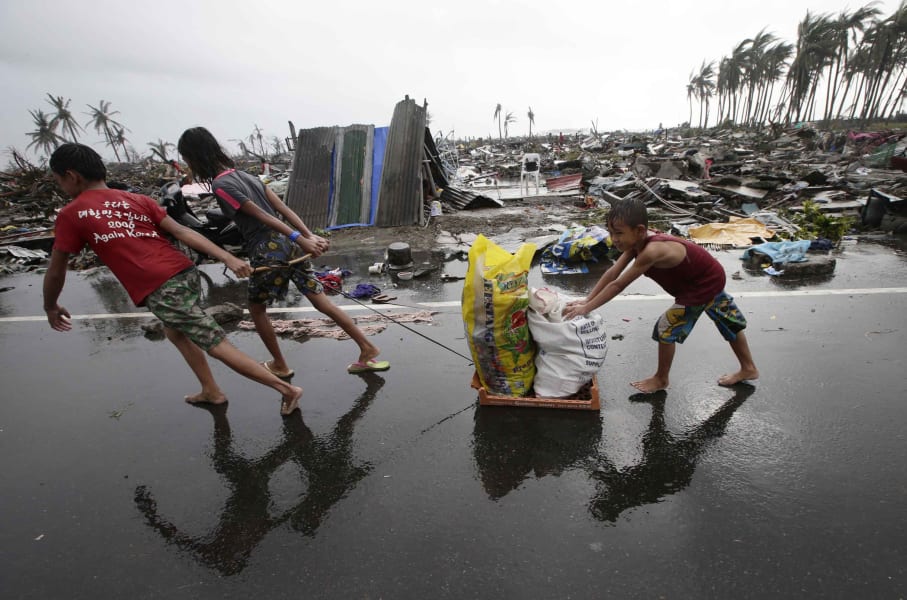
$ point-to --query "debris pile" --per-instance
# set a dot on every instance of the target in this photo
(770, 175)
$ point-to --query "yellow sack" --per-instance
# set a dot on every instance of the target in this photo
(495, 301)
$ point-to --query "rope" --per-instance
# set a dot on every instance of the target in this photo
(356, 300)
(393, 320)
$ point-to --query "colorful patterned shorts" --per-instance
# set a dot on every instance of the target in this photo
(677, 322)
(272, 285)
(175, 303)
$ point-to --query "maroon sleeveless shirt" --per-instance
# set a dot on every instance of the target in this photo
(696, 280)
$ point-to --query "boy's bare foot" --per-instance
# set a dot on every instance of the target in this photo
(729, 379)
(650, 385)
(206, 398)
(290, 402)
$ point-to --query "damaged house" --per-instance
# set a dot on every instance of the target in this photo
(362, 175)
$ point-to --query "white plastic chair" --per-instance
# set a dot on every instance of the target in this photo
(530, 167)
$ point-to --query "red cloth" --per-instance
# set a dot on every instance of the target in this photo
(696, 280)
(122, 229)
(332, 283)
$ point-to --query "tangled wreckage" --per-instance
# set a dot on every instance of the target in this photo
(749, 187)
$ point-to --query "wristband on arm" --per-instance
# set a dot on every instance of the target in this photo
(294, 236)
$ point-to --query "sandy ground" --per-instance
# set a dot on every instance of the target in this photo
(532, 216)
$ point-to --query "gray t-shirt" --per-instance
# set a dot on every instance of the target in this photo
(234, 188)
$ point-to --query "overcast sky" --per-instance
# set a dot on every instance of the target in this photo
(168, 65)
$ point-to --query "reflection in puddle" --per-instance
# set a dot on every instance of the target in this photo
(512, 444)
(509, 444)
(668, 461)
(326, 468)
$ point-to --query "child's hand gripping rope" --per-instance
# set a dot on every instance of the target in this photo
(270, 268)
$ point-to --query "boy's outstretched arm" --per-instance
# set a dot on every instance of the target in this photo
(310, 243)
(54, 278)
(197, 241)
(607, 290)
(610, 275)
(293, 219)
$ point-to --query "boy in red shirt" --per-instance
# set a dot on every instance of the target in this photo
(127, 231)
(684, 270)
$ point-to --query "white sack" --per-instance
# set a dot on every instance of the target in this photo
(569, 352)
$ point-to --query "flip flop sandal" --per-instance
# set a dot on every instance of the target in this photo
(267, 365)
(372, 365)
(382, 299)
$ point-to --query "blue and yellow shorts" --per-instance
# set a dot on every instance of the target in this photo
(268, 286)
(175, 303)
(677, 322)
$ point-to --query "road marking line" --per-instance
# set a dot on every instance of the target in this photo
(456, 303)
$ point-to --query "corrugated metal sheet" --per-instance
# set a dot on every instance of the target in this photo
(400, 198)
(460, 199)
(564, 182)
(437, 168)
(352, 175)
(309, 189)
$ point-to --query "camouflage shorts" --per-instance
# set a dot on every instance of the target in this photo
(267, 286)
(175, 303)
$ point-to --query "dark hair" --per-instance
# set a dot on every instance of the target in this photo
(79, 158)
(203, 154)
(631, 212)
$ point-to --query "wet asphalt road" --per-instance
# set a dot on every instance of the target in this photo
(398, 485)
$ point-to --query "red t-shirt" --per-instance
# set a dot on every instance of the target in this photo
(696, 280)
(123, 230)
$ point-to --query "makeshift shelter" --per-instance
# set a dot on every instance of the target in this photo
(364, 175)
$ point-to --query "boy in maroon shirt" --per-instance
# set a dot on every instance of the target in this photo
(126, 231)
(684, 270)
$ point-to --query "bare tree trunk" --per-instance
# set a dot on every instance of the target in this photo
(881, 90)
(896, 90)
(860, 93)
(110, 142)
(832, 85)
(840, 110)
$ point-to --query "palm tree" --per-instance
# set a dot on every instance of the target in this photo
(774, 66)
(757, 65)
(510, 118)
(497, 115)
(705, 86)
(160, 149)
(63, 118)
(102, 120)
(277, 143)
(887, 52)
(256, 132)
(722, 88)
(843, 30)
(119, 139)
(44, 137)
(815, 50)
(531, 116)
(691, 93)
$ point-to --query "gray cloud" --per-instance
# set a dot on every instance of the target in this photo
(230, 65)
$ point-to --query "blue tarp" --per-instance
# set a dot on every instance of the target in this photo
(780, 252)
(377, 167)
